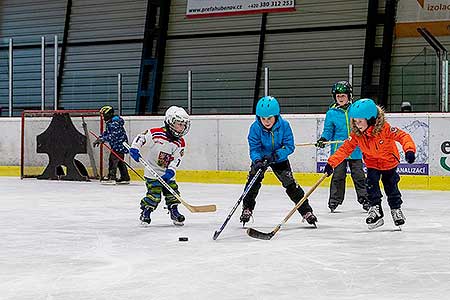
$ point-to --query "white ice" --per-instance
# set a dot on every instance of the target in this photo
(72, 240)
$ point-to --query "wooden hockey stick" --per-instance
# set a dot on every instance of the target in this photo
(117, 155)
(267, 236)
(191, 208)
(313, 144)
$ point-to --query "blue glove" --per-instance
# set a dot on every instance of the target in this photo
(116, 118)
(410, 157)
(168, 175)
(328, 169)
(134, 153)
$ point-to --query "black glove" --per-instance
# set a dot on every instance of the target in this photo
(270, 159)
(98, 142)
(410, 157)
(328, 169)
(261, 164)
(320, 143)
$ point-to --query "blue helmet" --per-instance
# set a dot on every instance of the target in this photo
(363, 109)
(267, 107)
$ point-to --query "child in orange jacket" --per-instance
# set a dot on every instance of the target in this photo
(376, 138)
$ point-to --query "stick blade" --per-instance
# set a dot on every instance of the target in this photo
(216, 235)
(201, 208)
(259, 235)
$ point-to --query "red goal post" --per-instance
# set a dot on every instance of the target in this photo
(35, 122)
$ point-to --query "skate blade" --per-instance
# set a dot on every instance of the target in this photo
(379, 223)
(108, 183)
(178, 223)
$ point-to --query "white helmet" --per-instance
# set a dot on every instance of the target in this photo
(177, 114)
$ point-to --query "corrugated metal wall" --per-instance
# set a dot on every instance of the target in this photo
(105, 39)
(306, 51)
(26, 21)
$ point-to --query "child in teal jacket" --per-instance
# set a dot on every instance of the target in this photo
(336, 128)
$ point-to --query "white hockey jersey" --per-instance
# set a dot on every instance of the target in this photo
(163, 152)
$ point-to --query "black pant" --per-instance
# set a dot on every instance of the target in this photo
(283, 172)
(337, 186)
(114, 163)
(390, 179)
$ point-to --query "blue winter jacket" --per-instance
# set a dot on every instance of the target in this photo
(337, 127)
(115, 134)
(279, 140)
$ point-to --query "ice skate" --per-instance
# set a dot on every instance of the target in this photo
(398, 216)
(122, 181)
(245, 216)
(108, 181)
(332, 207)
(310, 218)
(375, 217)
(145, 214)
(177, 218)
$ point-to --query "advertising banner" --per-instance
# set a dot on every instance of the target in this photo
(210, 8)
(431, 14)
(418, 128)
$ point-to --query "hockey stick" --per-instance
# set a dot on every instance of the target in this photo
(249, 186)
(267, 236)
(117, 155)
(191, 208)
(313, 144)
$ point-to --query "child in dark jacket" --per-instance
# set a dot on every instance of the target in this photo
(115, 135)
(271, 141)
(376, 138)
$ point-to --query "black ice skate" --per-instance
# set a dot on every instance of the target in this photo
(398, 216)
(175, 215)
(310, 218)
(145, 214)
(245, 216)
(332, 207)
(375, 217)
(107, 180)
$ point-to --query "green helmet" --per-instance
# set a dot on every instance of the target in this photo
(342, 87)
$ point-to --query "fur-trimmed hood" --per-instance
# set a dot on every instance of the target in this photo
(379, 123)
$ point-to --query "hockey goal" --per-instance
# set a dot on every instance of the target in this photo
(38, 138)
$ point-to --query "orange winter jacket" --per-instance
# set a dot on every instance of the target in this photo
(377, 144)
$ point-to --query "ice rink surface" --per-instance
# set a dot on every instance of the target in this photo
(72, 240)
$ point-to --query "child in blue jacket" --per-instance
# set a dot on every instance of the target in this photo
(271, 141)
(337, 127)
(115, 135)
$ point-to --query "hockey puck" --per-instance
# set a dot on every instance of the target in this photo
(182, 239)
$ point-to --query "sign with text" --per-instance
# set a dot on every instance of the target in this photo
(210, 8)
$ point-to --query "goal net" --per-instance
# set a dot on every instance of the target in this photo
(41, 143)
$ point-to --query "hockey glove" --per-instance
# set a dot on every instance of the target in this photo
(270, 159)
(168, 175)
(98, 142)
(134, 153)
(410, 157)
(260, 164)
(328, 169)
(320, 142)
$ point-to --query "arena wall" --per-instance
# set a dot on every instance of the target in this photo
(217, 149)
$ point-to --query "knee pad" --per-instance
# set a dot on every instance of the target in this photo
(295, 192)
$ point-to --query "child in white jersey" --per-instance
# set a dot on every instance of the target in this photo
(166, 148)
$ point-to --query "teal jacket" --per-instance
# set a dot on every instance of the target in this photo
(337, 127)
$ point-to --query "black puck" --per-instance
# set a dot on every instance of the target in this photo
(182, 239)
